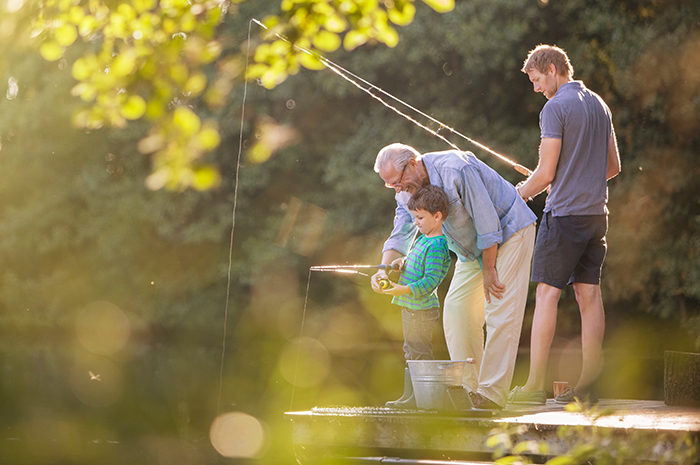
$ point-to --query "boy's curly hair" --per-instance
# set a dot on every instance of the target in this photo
(431, 199)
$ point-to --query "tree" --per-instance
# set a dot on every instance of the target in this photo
(166, 62)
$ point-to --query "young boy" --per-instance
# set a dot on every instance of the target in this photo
(422, 271)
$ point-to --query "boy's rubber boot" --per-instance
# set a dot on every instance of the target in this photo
(407, 400)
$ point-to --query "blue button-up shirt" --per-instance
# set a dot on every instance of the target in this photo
(485, 209)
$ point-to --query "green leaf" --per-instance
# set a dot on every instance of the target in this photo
(179, 73)
(195, 84)
(126, 11)
(574, 407)
(335, 23)
(51, 51)
(402, 17)
(133, 108)
(501, 439)
(583, 452)
(260, 153)
(66, 34)
(255, 71)
(441, 6)
(187, 22)
(87, 25)
(187, 121)
(124, 64)
(354, 39)
(326, 41)
(561, 460)
(143, 5)
(205, 178)
(87, 92)
(76, 15)
(272, 78)
(510, 459)
(211, 52)
(532, 447)
(310, 61)
(389, 36)
(209, 139)
(84, 67)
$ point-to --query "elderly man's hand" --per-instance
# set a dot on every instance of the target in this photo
(398, 264)
(492, 286)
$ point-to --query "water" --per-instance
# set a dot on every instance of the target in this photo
(146, 404)
(153, 397)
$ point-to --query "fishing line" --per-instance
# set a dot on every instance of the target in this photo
(352, 269)
(233, 227)
(344, 73)
(301, 333)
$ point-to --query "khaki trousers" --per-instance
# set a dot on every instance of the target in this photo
(466, 311)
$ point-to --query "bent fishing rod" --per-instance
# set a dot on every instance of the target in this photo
(342, 72)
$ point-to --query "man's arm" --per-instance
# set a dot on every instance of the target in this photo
(614, 166)
(543, 175)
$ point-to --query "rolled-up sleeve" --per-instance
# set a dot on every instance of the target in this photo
(480, 207)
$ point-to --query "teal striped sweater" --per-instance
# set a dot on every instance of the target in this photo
(426, 266)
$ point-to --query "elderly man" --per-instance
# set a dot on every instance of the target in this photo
(492, 231)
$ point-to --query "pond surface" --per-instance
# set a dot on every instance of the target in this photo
(61, 403)
(99, 395)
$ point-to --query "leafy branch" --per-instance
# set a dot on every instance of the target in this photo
(163, 61)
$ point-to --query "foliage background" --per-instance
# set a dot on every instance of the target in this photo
(77, 226)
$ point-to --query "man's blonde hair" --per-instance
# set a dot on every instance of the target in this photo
(543, 55)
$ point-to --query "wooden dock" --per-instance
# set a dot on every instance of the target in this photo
(362, 434)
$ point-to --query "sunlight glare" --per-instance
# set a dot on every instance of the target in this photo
(14, 5)
(12, 88)
(237, 435)
(103, 328)
(305, 362)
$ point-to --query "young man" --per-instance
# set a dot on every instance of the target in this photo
(422, 271)
(492, 232)
(578, 154)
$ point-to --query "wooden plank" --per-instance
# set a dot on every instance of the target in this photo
(370, 431)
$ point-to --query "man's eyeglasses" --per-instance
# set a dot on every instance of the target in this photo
(396, 184)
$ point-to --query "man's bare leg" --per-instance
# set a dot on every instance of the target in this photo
(544, 324)
(590, 302)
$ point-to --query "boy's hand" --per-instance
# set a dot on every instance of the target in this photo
(397, 289)
(374, 281)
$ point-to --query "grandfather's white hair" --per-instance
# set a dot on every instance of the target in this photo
(398, 155)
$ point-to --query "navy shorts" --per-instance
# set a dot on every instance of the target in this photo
(570, 249)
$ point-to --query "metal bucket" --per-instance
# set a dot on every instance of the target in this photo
(431, 378)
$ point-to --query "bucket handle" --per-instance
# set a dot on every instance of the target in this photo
(445, 366)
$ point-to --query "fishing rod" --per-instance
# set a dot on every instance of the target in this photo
(339, 70)
(354, 268)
